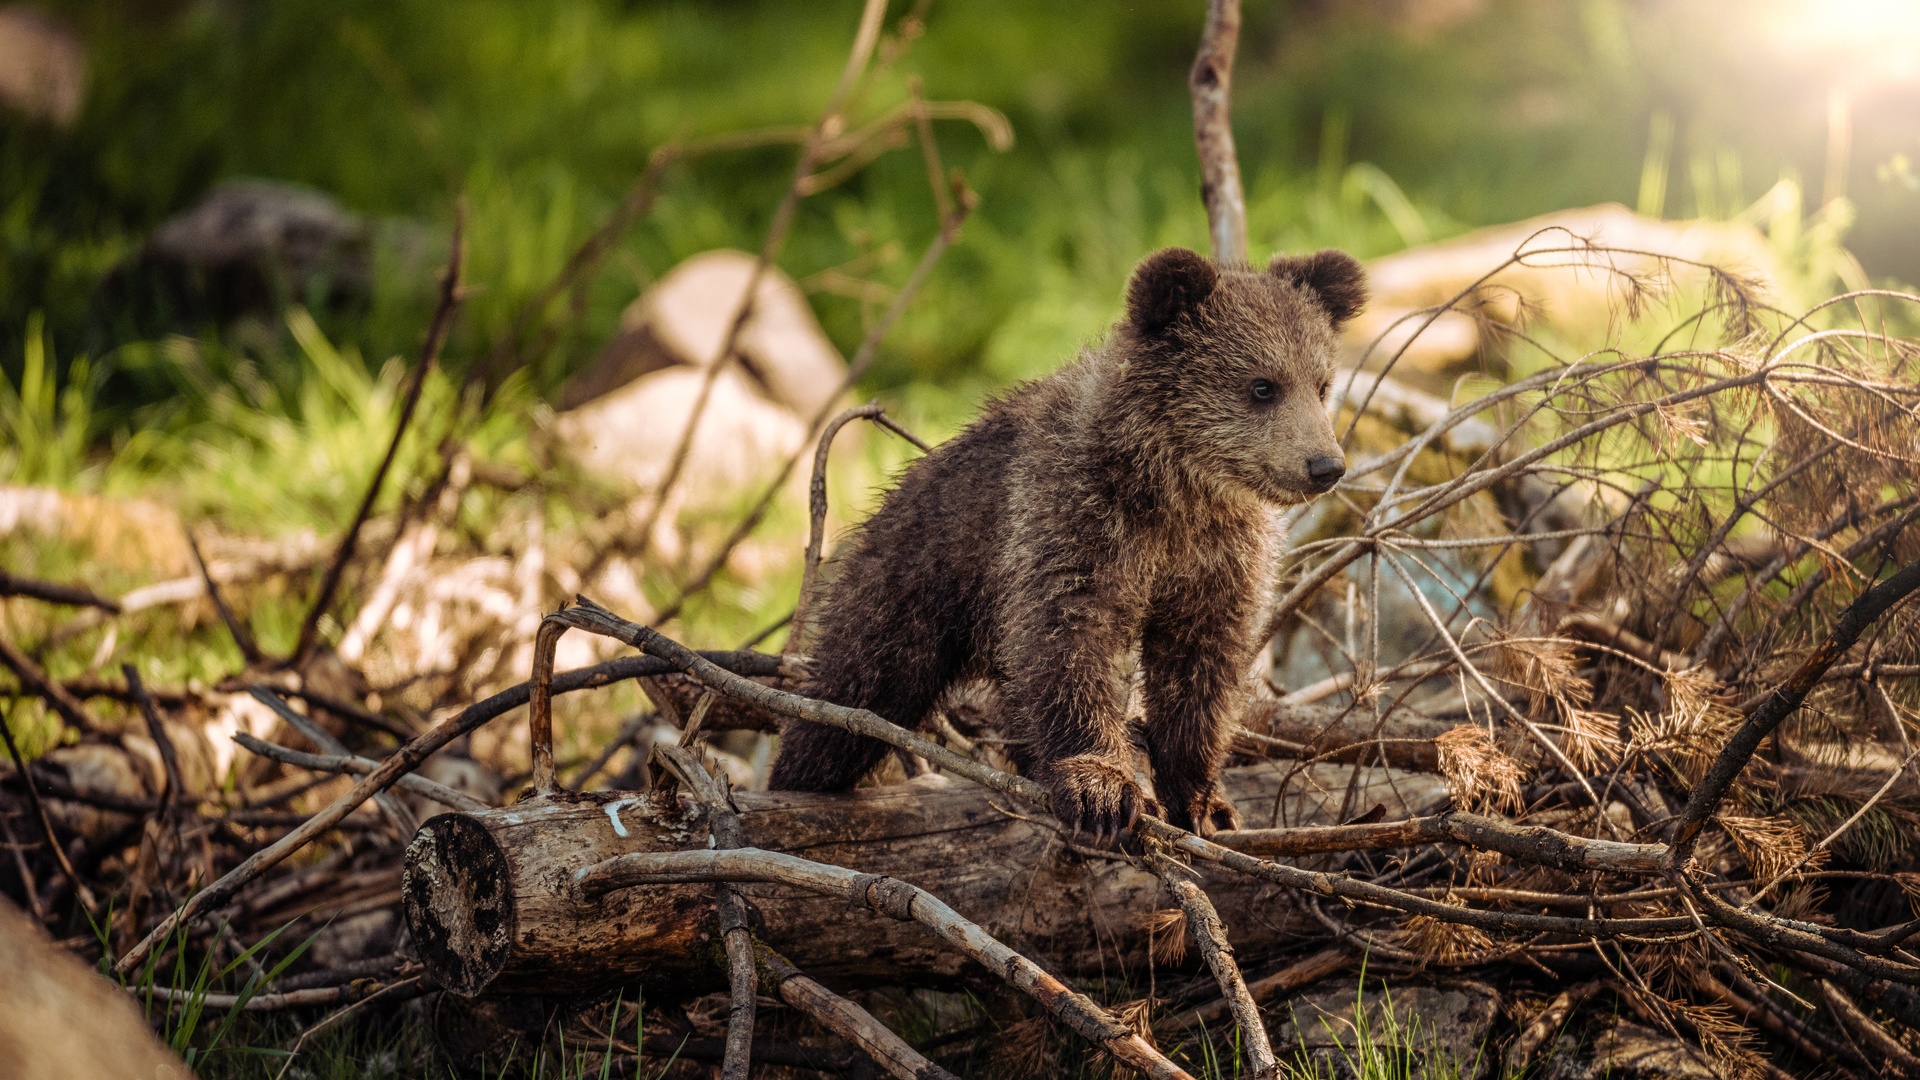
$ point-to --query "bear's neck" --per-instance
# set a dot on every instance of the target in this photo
(1151, 484)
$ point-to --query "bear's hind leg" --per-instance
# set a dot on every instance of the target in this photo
(900, 679)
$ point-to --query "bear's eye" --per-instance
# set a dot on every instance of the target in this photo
(1324, 388)
(1264, 390)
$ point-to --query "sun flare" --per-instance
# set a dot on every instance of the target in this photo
(1871, 40)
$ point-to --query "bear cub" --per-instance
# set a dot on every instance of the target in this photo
(1128, 501)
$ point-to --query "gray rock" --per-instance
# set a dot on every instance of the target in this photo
(1627, 1051)
(1430, 1031)
(255, 246)
(357, 937)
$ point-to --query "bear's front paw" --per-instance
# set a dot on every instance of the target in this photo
(1096, 794)
(1206, 813)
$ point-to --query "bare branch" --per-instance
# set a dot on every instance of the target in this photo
(242, 637)
(350, 763)
(1211, 935)
(35, 681)
(1211, 84)
(80, 889)
(70, 595)
(1781, 703)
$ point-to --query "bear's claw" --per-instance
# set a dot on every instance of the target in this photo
(1096, 794)
(1206, 814)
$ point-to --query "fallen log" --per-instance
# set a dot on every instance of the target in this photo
(492, 902)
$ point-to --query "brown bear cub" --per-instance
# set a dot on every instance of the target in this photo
(1130, 499)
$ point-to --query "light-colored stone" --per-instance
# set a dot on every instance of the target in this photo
(1566, 287)
(630, 434)
(43, 65)
(684, 319)
(61, 1021)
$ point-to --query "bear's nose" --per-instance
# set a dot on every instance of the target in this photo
(1325, 471)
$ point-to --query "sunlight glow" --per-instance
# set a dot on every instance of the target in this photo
(1871, 41)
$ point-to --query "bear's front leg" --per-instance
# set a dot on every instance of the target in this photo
(1198, 643)
(1067, 680)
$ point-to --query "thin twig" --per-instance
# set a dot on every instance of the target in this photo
(157, 730)
(80, 889)
(1545, 1026)
(817, 500)
(35, 681)
(394, 810)
(349, 763)
(1878, 1041)
(540, 707)
(1305, 971)
(1782, 703)
(70, 595)
(242, 637)
(1552, 748)
(356, 991)
(437, 331)
(411, 987)
(629, 730)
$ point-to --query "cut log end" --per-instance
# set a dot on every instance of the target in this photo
(458, 899)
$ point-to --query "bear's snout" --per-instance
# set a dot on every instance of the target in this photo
(1325, 470)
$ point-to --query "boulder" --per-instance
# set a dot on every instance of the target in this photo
(43, 65)
(1565, 287)
(630, 434)
(254, 247)
(684, 319)
(59, 1020)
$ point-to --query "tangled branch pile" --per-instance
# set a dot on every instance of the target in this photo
(1602, 682)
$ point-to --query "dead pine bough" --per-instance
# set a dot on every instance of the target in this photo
(1596, 684)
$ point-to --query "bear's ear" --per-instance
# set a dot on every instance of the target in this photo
(1333, 277)
(1165, 284)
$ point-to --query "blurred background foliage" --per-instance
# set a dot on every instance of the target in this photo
(1368, 124)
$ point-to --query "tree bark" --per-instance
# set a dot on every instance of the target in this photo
(493, 906)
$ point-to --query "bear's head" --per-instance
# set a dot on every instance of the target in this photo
(1233, 366)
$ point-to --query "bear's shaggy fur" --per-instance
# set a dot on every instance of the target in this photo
(1128, 500)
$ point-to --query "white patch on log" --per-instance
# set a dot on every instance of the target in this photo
(613, 814)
